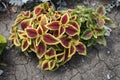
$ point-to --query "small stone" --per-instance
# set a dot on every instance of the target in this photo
(108, 52)
(1, 72)
(108, 76)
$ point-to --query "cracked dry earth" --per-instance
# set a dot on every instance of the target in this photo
(101, 63)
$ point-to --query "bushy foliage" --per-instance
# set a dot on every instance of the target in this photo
(55, 36)
(3, 43)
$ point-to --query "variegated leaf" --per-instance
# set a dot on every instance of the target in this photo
(81, 48)
(38, 40)
(71, 30)
(60, 57)
(25, 45)
(50, 53)
(64, 19)
(99, 31)
(54, 25)
(31, 32)
(50, 39)
(40, 50)
(87, 34)
(51, 65)
(25, 23)
(43, 22)
(101, 40)
(65, 41)
(72, 50)
(37, 10)
(17, 42)
(101, 10)
(45, 65)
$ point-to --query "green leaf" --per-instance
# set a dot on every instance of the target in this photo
(101, 40)
(87, 34)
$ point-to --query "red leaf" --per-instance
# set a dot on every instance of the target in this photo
(37, 10)
(25, 23)
(75, 25)
(65, 41)
(32, 33)
(50, 53)
(75, 37)
(72, 50)
(50, 39)
(65, 18)
(17, 42)
(33, 47)
(66, 56)
(61, 31)
(25, 45)
(45, 65)
(26, 14)
(40, 30)
(60, 57)
(41, 49)
(55, 33)
(38, 40)
(51, 65)
(101, 10)
(81, 48)
(70, 30)
(87, 34)
(54, 25)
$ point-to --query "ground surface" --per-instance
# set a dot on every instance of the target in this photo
(102, 63)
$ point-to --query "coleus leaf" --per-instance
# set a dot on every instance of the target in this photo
(81, 48)
(70, 30)
(72, 50)
(50, 53)
(65, 41)
(99, 31)
(60, 57)
(50, 39)
(74, 17)
(43, 22)
(33, 47)
(54, 25)
(75, 37)
(56, 33)
(16, 42)
(67, 57)
(12, 36)
(25, 45)
(100, 22)
(37, 10)
(25, 23)
(101, 10)
(87, 34)
(61, 31)
(26, 14)
(31, 32)
(13, 30)
(101, 40)
(75, 24)
(45, 65)
(40, 50)
(39, 30)
(21, 34)
(64, 18)
(38, 40)
(51, 64)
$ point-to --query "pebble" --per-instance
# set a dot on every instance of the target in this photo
(1, 72)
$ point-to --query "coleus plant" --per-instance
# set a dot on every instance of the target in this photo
(52, 35)
(93, 23)
(55, 36)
